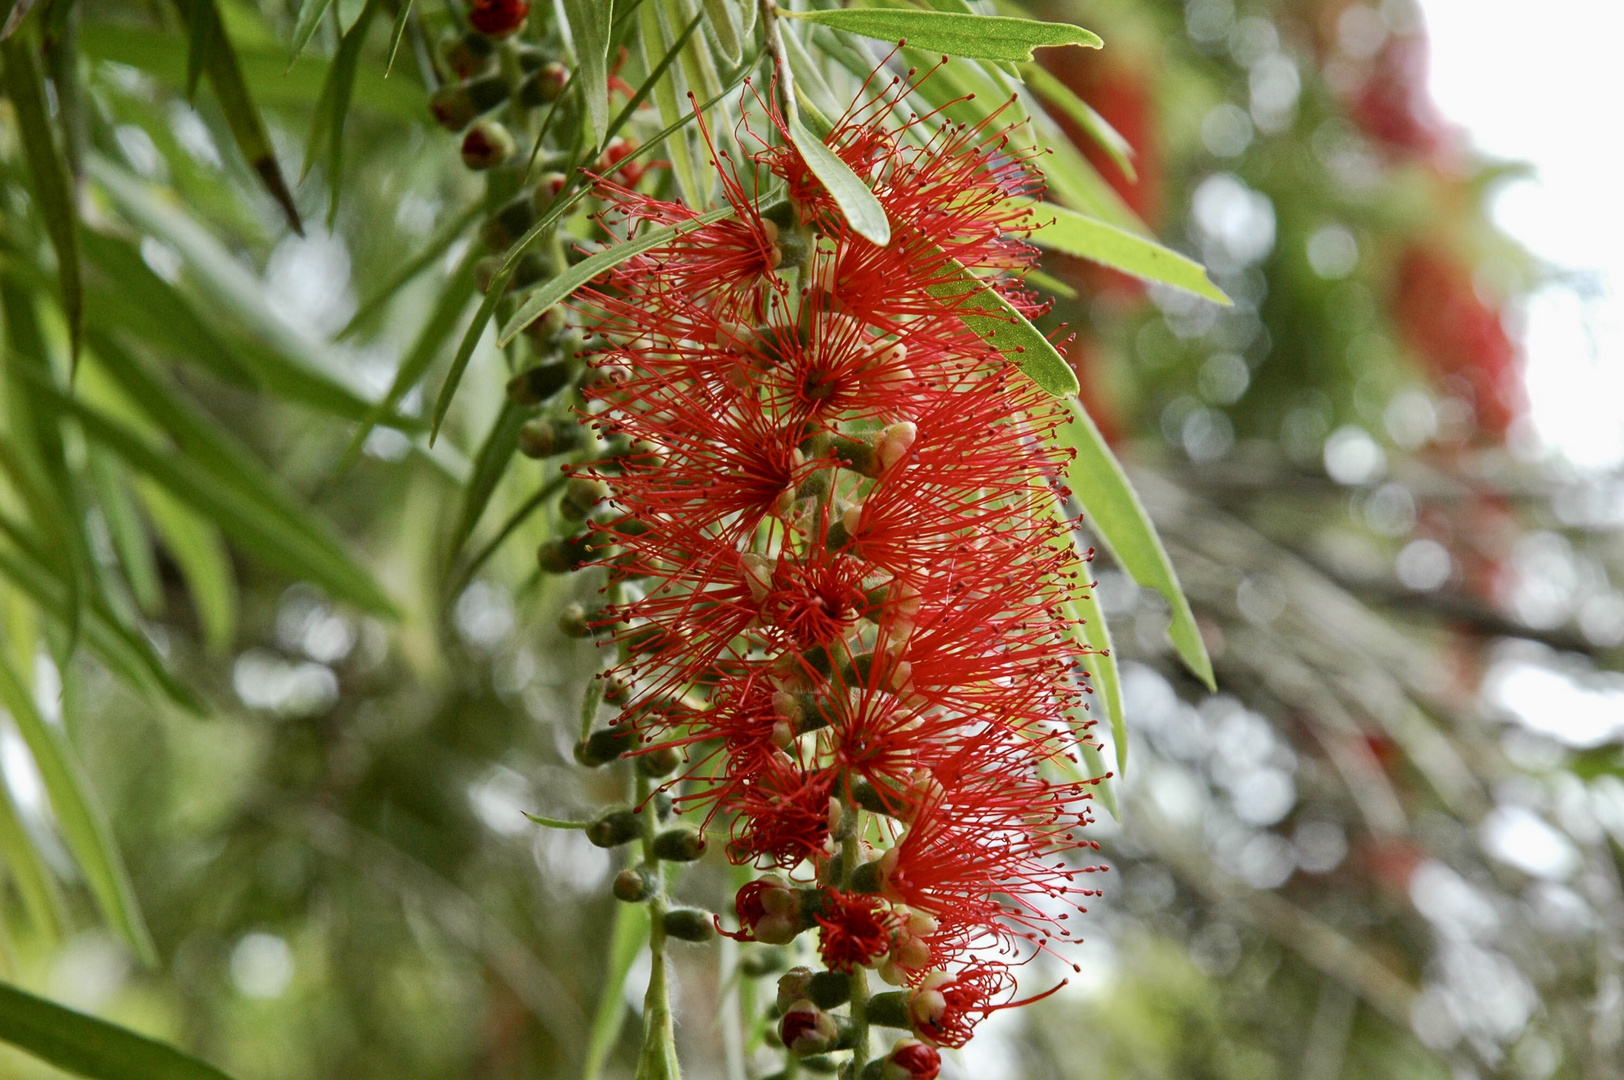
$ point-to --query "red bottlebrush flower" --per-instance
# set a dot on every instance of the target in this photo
(857, 930)
(498, 18)
(946, 1008)
(1392, 106)
(838, 563)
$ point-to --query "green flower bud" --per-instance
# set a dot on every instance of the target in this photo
(604, 745)
(535, 385)
(633, 885)
(546, 436)
(680, 844)
(487, 145)
(613, 828)
(456, 105)
(690, 924)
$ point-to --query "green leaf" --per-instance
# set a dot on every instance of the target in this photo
(128, 534)
(397, 35)
(724, 23)
(197, 51)
(91, 1047)
(284, 359)
(856, 201)
(667, 90)
(991, 316)
(242, 115)
(436, 328)
(127, 653)
(979, 37)
(561, 286)
(589, 28)
(42, 900)
(500, 444)
(200, 554)
(437, 246)
(304, 27)
(1115, 515)
(1095, 126)
(51, 186)
(334, 106)
(625, 942)
(253, 520)
(83, 824)
(1092, 239)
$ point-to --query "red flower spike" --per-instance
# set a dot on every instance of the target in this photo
(843, 583)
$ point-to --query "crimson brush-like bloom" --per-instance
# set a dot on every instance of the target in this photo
(840, 579)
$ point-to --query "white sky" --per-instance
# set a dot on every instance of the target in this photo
(1542, 83)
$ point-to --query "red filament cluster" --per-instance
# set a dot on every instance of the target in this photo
(838, 571)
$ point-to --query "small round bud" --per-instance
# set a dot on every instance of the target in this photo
(868, 878)
(509, 223)
(681, 844)
(548, 188)
(603, 746)
(469, 55)
(581, 494)
(889, 1009)
(573, 623)
(498, 18)
(792, 986)
(545, 85)
(456, 105)
(829, 989)
(633, 885)
(613, 828)
(690, 924)
(660, 762)
(911, 1059)
(487, 145)
(535, 385)
(616, 690)
(567, 554)
(806, 1029)
(544, 437)
(821, 1064)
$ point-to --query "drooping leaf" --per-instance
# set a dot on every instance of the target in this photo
(1060, 229)
(626, 940)
(89, 1046)
(978, 37)
(437, 246)
(285, 360)
(41, 898)
(199, 552)
(442, 320)
(1113, 512)
(304, 27)
(500, 444)
(991, 316)
(334, 106)
(589, 22)
(83, 824)
(254, 522)
(125, 529)
(51, 184)
(667, 92)
(198, 42)
(242, 114)
(1095, 126)
(1105, 678)
(862, 210)
(397, 35)
(561, 286)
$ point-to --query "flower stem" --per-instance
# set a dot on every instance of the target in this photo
(773, 40)
(658, 1060)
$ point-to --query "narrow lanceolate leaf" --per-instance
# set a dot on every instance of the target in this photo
(978, 37)
(42, 900)
(255, 523)
(1088, 238)
(242, 115)
(52, 188)
(304, 27)
(1095, 126)
(589, 28)
(557, 288)
(16, 11)
(1103, 674)
(334, 106)
(1114, 513)
(625, 942)
(991, 316)
(397, 35)
(437, 246)
(90, 1047)
(83, 824)
(863, 211)
(724, 23)
(500, 444)
(199, 552)
(198, 43)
